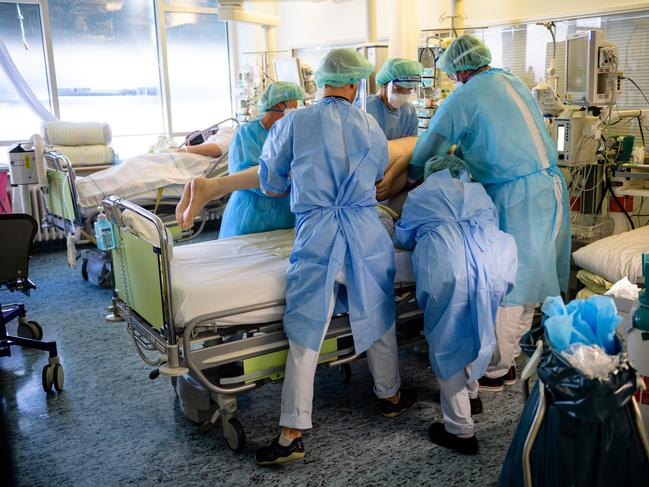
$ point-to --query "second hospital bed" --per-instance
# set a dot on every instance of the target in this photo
(154, 181)
(212, 312)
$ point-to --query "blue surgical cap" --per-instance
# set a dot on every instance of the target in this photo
(404, 72)
(464, 53)
(278, 92)
(341, 67)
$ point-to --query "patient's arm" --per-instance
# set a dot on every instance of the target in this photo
(200, 191)
(209, 149)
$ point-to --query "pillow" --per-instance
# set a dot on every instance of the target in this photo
(71, 133)
(616, 256)
(86, 155)
(596, 283)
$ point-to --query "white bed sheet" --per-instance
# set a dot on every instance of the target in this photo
(143, 174)
(221, 275)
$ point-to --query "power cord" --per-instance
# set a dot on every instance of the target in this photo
(638, 87)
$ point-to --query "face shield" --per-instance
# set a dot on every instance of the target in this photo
(402, 91)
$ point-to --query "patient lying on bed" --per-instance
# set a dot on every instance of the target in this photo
(200, 190)
(142, 175)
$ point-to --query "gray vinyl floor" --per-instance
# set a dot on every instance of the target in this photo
(112, 425)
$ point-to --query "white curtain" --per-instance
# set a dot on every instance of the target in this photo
(404, 29)
(21, 85)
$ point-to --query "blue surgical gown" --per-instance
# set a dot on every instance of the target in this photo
(500, 130)
(464, 266)
(331, 154)
(251, 211)
(396, 124)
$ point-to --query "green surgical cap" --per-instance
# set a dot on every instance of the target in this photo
(404, 72)
(278, 92)
(466, 52)
(446, 161)
(341, 67)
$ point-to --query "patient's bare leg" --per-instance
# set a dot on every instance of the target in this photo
(200, 191)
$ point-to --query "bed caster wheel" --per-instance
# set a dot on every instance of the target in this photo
(206, 427)
(345, 373)
(30, 329)
(234, 435)
(53, 375)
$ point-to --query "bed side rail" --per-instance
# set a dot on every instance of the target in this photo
(61, 200)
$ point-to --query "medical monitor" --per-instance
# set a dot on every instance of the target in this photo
(591, 69)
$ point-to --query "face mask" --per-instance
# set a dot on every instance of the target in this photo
(397, 99)
(319, 94)
(288, 110)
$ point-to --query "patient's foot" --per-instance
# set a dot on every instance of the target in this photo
(184, 203)
(199, 191)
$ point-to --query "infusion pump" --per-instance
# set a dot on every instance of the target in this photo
(576, 139)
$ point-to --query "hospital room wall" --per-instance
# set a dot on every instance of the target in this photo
(304, 24)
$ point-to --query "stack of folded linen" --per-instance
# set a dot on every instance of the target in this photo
(85, 144)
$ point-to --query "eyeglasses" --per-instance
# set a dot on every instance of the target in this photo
(403, 90)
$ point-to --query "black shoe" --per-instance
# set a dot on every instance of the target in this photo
(509, 379)
(274, 454)
(491, 385)
(476, 405)
(407, 400)
(441, 437)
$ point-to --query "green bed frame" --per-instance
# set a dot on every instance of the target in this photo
(143, 294)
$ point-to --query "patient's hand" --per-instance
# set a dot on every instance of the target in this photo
(384, 187)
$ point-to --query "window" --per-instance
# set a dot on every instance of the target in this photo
(107, 64)
(199, 75)
(18, 122)
(105, 55)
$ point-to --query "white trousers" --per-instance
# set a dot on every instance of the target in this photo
(456, 408)
(512, 322)
(301, 364)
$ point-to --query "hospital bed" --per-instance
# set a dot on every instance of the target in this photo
(72, 202)
(65, 211)
(212, 312)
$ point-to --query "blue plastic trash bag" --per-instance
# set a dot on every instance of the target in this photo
(592, 322)
(589, 434)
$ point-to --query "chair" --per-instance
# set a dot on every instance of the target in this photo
(18, 231)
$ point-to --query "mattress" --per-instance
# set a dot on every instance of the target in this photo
(220, 276)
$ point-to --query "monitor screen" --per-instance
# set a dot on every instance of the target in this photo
(577, 65)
